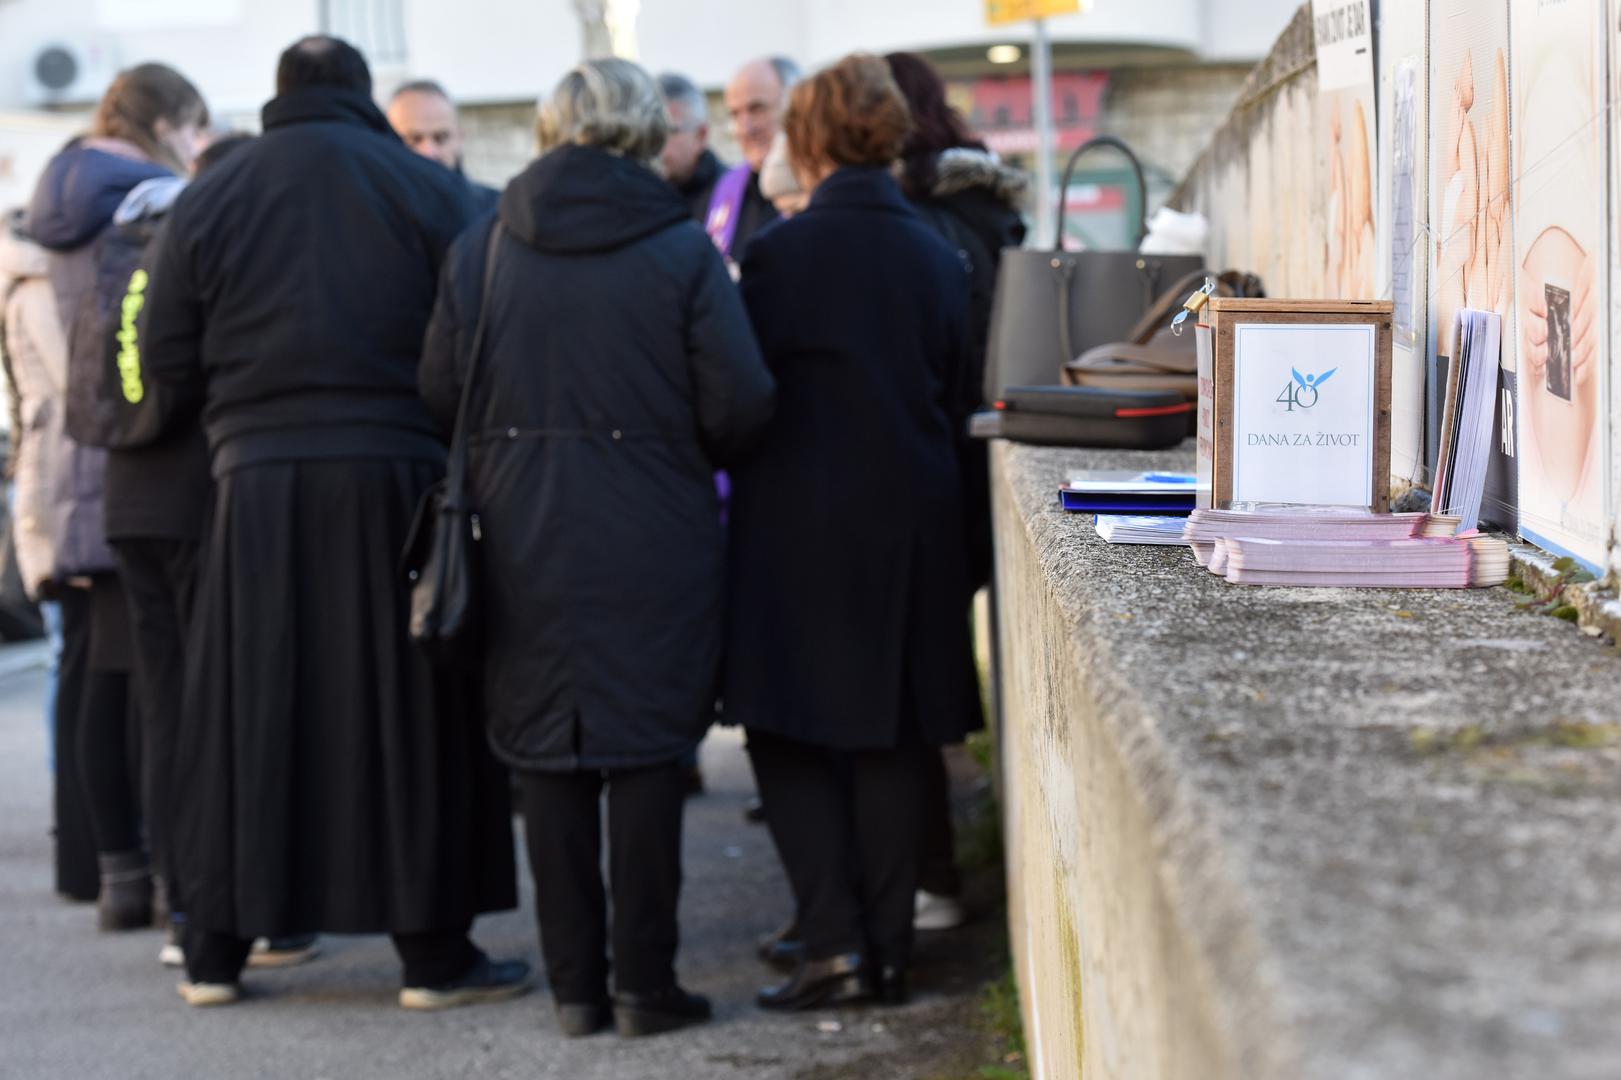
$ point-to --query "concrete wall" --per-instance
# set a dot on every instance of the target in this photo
(1296, 834)
(1111, 986)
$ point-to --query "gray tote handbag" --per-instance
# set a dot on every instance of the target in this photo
(1051, 306)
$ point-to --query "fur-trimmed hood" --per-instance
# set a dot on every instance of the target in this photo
(959, 170)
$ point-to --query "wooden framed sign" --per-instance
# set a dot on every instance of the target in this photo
(1294, 402)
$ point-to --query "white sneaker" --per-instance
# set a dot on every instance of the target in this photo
(172, 955)
(931, 911)
(207, 995)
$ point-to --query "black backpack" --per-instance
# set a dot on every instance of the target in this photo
(107, 394)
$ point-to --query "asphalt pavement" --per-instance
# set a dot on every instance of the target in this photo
(82, 1004)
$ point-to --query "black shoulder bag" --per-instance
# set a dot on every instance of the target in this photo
(441, 553)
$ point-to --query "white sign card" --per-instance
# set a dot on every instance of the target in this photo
(1343, 31)
(1303, 413)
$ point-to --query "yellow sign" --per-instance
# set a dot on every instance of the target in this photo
(1002, 12)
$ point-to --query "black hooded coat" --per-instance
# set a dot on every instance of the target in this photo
(618, 373)
(335, 780)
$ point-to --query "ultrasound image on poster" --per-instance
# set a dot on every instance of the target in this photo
(1558, 363)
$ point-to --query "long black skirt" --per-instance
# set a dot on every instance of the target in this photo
(329, 778)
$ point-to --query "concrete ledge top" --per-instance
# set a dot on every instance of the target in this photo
(1392, 817)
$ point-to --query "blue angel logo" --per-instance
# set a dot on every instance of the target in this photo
(1302, 393)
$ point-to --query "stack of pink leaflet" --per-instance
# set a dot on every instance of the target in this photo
(1206, 528)
(1418, 563)
(1344, 549)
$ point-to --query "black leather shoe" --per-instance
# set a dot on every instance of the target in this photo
(892, 985)
(487, 980)
(838, 980)
(636, 1015)
(783, 949)
(578, 1019)
(754, 811)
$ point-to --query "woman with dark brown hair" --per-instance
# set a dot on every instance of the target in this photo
(848, 653)
(147, 127)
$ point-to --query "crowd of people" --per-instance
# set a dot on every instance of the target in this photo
(715, 422)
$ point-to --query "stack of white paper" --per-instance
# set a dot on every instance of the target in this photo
(1491, 562)
(1141, 529)
(1440, 525)
(1466, 427)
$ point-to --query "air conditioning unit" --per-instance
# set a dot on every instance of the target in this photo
(67, 73)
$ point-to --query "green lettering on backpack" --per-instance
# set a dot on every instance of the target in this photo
(129, 349)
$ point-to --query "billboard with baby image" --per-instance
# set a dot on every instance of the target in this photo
(1560, 270)
(1346, 131)
(1471, 233)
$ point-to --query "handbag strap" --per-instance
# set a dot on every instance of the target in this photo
(456, 467)
(1122, 357)
(1069, 171)
(1157, 316)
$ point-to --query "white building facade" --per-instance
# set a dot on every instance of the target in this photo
(497, 56)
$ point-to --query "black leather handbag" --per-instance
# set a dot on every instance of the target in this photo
(1052, 306)
(441, 554)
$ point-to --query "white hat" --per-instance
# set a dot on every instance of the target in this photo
(777, 177)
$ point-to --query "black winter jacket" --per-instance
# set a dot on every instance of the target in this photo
(973, 203)
(699, 188)
(295, 281)
(160, 488)
(848, 570)
(618, 373)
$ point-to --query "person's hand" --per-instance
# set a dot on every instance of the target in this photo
(1533, 328)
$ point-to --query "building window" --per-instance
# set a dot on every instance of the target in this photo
(375, 27)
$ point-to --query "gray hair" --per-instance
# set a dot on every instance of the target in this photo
(787, 71)
(682, 91)
(608, 103)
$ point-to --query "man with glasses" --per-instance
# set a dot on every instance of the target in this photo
(689, 165)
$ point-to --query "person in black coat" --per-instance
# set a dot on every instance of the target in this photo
(689, 165)
(429, 124)
(336, 781)
(618, 372)
(972, 200)
(156, 510)
(848, 653)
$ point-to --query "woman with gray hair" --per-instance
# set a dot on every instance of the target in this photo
(616, 373)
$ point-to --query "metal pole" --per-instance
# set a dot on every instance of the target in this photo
(1041, 113)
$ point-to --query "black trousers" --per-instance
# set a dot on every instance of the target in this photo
(938, 872)
(429, 959)
(846, 824)
(77, 876)
(159, 579)
(563, 829)
(106, 736)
